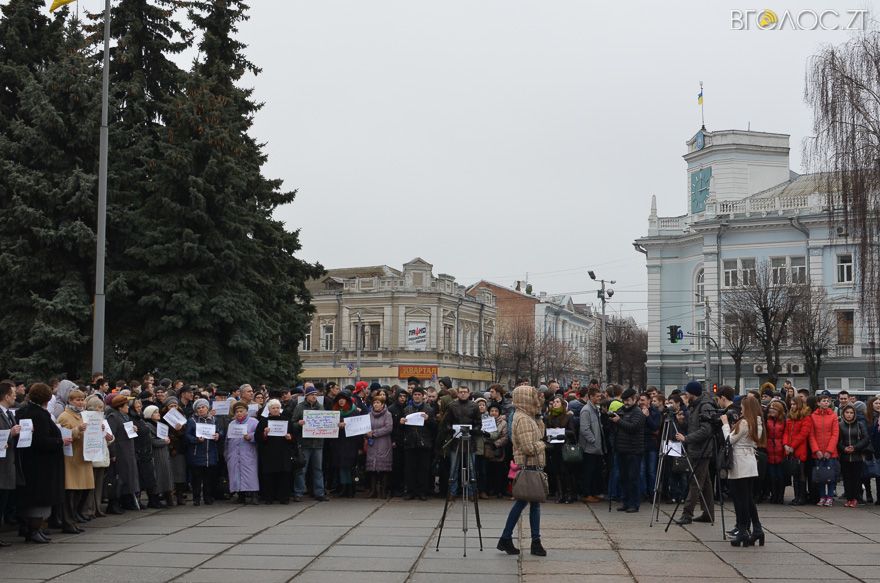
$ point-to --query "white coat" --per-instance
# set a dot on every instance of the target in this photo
(745, 464)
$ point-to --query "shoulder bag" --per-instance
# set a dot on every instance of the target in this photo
(572, 454)
(530, 485)
(724, 458)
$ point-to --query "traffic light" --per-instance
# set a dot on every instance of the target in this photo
(715, 388)
(673, 334)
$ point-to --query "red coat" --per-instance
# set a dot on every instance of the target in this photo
(826, 429)
(775, 435)
(797, 436)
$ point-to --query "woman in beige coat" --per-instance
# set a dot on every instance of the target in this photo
(746, 435)
(79, 479)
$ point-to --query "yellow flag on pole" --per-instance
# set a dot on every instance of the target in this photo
(56, 4)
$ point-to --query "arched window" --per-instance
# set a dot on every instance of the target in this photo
(700, 287)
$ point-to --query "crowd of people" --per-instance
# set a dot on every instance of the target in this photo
(73, 452)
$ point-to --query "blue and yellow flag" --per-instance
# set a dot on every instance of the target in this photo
(56, 4)
(700, 97)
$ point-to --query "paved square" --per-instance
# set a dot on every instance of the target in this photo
(394, 541)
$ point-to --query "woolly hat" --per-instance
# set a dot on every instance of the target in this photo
(360, 386)
(170, 401)
(629, 392)
(150, 411)
(201, 402)
(694, 388)
(118, 401)
(418, 389)
(374, 386)
(312, 390)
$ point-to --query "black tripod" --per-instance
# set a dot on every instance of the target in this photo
(669, 422)
(467, 482)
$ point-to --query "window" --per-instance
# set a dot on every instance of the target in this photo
(700, 287)
(856, 383)
(418, 279)
(845, 268)
(701, 335)
(487, 342)
(327, 337)
(306, 343)
(447, 337)
(798, 269)
(370, 336)
(749, 274)
(845, 327)
(833, 383)
(778, 270)
(731, 277)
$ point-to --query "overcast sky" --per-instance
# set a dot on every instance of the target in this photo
(496, 138)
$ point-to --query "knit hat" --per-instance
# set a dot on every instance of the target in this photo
(165, 383)
(418, 389)
(312, 390)
(150, 411)
(360, 386)
(374, 386)
(118, 401)
(170, 401)
(629, 392)
(201, 402)
(824, 394)
(694, 388)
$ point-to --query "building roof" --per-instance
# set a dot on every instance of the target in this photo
(369, 271)
(503, 288)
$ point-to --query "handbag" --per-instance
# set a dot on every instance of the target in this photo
(724, 458)
(530, 485)
(792, 466)
(871, 468)
(825, 471)
(679, 464)
(572, 454)
(297, 457)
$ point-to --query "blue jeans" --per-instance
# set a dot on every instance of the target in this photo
(534, 519)
(648, 473)
(315, 459)
(455, 472)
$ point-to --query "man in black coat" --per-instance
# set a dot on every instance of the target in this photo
(630, 422)
(418, 443)
(700, 447)
(462, 411)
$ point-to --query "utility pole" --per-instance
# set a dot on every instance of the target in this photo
(604, 295)
(98, 324)
(360, 329)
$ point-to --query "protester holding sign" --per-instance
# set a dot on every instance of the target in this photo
(201, 452)
(161, 456)
(42, 464)
(176, 449)
(79, 480)
(275, 450)
(100, 462)
(345, 449)
(7, 456)
(419, 422)
(312, 449)
(123, 462)
(143, 451)
(379, 450)
(241, 454)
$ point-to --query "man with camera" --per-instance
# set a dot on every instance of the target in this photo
(700, 447)
(462, 411)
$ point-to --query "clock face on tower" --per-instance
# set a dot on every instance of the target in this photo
(700, 140)
(700, 189)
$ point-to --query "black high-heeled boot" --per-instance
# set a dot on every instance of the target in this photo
(742, 538)
(757, 535)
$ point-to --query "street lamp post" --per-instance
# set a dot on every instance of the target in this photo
(604, 295)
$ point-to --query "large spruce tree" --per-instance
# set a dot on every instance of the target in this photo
(48, 150)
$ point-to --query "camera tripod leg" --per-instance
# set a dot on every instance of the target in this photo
(442, 522)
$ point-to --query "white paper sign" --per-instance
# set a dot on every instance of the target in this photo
(236, 430)
(252, 409)
(4, 441)
(161, 431)
(321, 424)
(106, 427)
(27, 433)
(277, 428)
(130, 431)
(221, 407)
(457, 429)
(265, 413)
(319, 398)
(556, 435)
(206, 430)
(489, 424)
(65, 433)
(93, 438)
(174, 418)
(357, 425)
(415, 419)
(673, 448)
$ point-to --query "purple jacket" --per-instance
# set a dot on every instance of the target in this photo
(241, 460)
(379, 455)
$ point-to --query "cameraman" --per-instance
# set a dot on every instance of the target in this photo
(462, 411)
(726, 405)
(699, 445)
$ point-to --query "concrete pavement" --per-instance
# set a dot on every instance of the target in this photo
(346, 541)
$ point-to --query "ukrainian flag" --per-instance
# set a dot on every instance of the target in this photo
(700, 97)
(56, 4)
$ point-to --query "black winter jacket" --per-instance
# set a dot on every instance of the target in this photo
(699, 442)
(631, 430)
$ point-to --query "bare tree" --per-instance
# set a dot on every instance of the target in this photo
(514, 349)
(772, 305)
(737, 339)
(813, 328)
(843, 88)
(627, 345)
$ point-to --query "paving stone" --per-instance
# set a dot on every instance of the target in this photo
(771, 570)
(201, 575)
(178, 547)
(285, 549)
(257, 563)
(449, 578)
(312, 576)
(113, 574)
(153, 560)
(332, 563)
(475, 563)
(30, 570)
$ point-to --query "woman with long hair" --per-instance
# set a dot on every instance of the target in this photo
(746, 435)
(796, 444)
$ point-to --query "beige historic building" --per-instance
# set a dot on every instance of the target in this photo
(411, 323)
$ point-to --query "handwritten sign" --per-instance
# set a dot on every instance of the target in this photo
(321, 424)
(415, 419)
(221, 407)
(65, 433)
(236, 430)
(174, 418)
(252, 409)
(26, 437)
(161, 431)
(358, 425)
(206, 430)
(130, 431)
(489, 425)
(93, 438)
(277, 428)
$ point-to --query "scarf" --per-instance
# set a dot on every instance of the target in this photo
(76, 410)
(556, 411)
(351, 411)
(378, 414)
